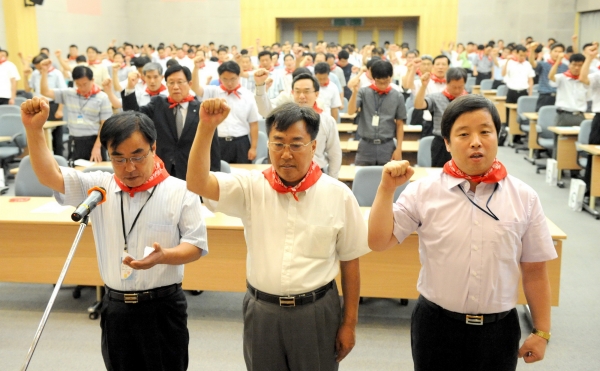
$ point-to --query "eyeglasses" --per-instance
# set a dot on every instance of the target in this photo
(173, 83)
(294, 147)
(122, 161)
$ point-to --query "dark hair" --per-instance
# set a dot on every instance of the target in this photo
(456, 73)
(213, 59)
(44, 48)
(160, 48)
(569, 49)
(343, 54)
(378, 51)
(329, 55)
(244, 51)
(286, 115)
(140, 62)
(577, 57)
(276, 44)
(372, 61)
(176, 68)
(466, 104)
(300, 70)
(171, 62)
(587, 45)
(538, 48)
(126, 44)
(288, 55)
(73, 46)
(229, 66)
(221, 50)
(415, 52)
(93, 48)
(119, 127)
(382, 69)
(40, 57)
(306, 76)
(521, 48)
(322, 68)
(263, 53)
(80, 58)
(552, 38)
(480, 47)
(112, 48)
(441, 56)
(557, 45)
(82, 71)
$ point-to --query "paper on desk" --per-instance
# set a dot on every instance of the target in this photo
(83, 163)
(207, 213)
(50, 208)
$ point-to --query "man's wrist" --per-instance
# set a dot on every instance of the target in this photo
(543, 334)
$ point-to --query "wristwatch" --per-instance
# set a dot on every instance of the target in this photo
(542, 334)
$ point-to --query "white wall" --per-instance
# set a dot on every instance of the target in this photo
(2, 27)
(588, 5)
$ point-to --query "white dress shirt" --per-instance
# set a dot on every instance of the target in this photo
(595, 92)
(471, 262)
(8, 70)
(186, 62)
(518, 74)
(432, 87)
(56, 80)
(329, 97)
(172, 216)
(571, 95)
(243, 111)
(293, 246)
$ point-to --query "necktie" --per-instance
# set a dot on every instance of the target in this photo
(178, 120)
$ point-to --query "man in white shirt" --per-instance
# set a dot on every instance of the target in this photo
(283, 79)
(238, 135)
(571, 90)
(183, 59)
(329, 95)
(9, 75)
(296, 247)
(518, 77)
(594, 83)
(480, 230)
(95, 64)
(162, 58)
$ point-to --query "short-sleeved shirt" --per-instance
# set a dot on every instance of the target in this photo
(56, 80)
(171, 216)
(93, 110)
(518, 74)
(243, 111)
(542, 69)
(484, 64)
(432, 88)
(571, 95)
(293, 246)
(329, 97)
(595, 92)
(389, 107)
(436, 105)
(8, 71)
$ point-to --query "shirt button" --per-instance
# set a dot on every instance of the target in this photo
(476, 222)
(475, 248)
(474, 273)
(473, 298)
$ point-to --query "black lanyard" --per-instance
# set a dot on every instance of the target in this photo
(134, 220)
(380, 100)
(491, 214)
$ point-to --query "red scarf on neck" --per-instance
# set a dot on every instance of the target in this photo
(495, 173)
(157, 92)
(419, 73)
(95, 90)
(189, 98)
(332, 67)
(452, 97)
(288, 71)
(326, 84)
(311, 177)
(271, 69)
(570, 75)
(234, 90)
(158, 175)
(308, 64)
(551, 61)
(2, 60)
(380, 91)
(277, 64)
(437, 80)
(481, 56)
(92, 63)
(317, 109)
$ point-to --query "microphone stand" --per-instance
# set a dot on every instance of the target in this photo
(61, 278)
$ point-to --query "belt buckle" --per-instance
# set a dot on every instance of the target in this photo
(228, 139)
(130, 298)
(287, 301)
(376, 141)
(474, 320)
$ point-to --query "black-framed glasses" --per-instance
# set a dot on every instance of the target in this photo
(122, 161)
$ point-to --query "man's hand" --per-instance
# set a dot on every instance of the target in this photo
(96, 155)
(213, 112)
(592, 52)
(355, 69)
(396, 173)
(425, 78)
(533, 349)
(27, 71)
(561, 56)
(58, 53)
(116, 67)
(344, 341)
(34, 113)
(199, 61)
(269, 83)
(106, 84)
(260, 76)
(532, 46)
(132, 79)
(354, 84)
(11, 101)
(252, 154)
(155, 257)
(45, 65)
(397, 154)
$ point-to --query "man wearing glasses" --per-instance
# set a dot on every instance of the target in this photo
(176, 121)
(380, 119)
(149, 226)
(238, 135)
(302, 227)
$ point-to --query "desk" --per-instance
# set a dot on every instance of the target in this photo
(349, 148)
(513, 125)
(411, 132)
(48, 127)
(594, 150)
(489, 94)
(475, 89)
(532, 139)
(345, 117)
(389, 274)
(500, 106)
(565, 152)
(5, 139)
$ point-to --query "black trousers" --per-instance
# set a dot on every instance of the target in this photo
(236, 150)
(594, 139)
(497, 83)
(546, 99)
(439, 342)
(439, 154)
(4, 101)
(482, 76)
(81, 148)
(150, 335)
(57, 133)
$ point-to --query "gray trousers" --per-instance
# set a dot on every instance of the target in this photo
(300, 338)
(568, 119)
(370, 154)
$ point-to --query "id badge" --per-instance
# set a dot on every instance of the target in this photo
(80, 120)
(126, 271)
(375, 121)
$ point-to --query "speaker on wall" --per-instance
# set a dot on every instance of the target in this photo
(33, 2)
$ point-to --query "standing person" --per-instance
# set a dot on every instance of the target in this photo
(86, 108)
(594, 83)
(381, 118)
(292, 314)
(482, 69)
(542, 68)
(571, 90)
(480, 230)
(329, 95)
(518, 76)
(143, 315)
(346, 68)
(95, 64)
(9, 75)
(150, 85)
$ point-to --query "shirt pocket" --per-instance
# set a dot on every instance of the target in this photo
(507, 240)
(319, 241)
(166, 235)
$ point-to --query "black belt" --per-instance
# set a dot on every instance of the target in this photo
(377, 141)
(291, 300)
(470, 319)
(550, 94)
(232, 139)
(576, 113)
(133, 297)
(518, 91)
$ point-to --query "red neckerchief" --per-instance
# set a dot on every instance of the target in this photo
(437, 80)
(419, 73)
(95, 90)
(3, 60)
(308, 64)
(248, 70)
(157, 92)
(551, 61)
(288, 71)
(111, 60)
(123, 65)
(220, 62)
(481, 56)
(311, 177)
(383, 58)
(317, 109)
(92, 63)
(332, 67)
(380, 91)
(514, 58)
(271, 69)
(452, 97)
(234, 90)
(570, 75)
(494, 174)
(49, 69)
(277, 64)
(158, 175)
(189, 98)
(326, 84)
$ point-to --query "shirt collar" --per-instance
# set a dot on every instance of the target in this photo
(117, 190)
(452, 182)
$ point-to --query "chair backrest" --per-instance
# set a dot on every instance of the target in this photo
(546, 118)
(526, 104)
(107, 169)
(262, 152)
(6, 109)
(345, 106)
(11, 124)
(262, 125)
(19, 101)
(536, 87)
(469, 84)
(366, 181)
(27, 183)
(225, 168)
(501, 90)
(409, 102)
(424, 153)
(584, 132)
(486, 84)
(409, 113)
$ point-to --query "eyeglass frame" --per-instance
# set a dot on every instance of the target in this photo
(130, 159)
(178, 83)
(289, 146)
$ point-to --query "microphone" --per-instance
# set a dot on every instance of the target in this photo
(96, 196)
